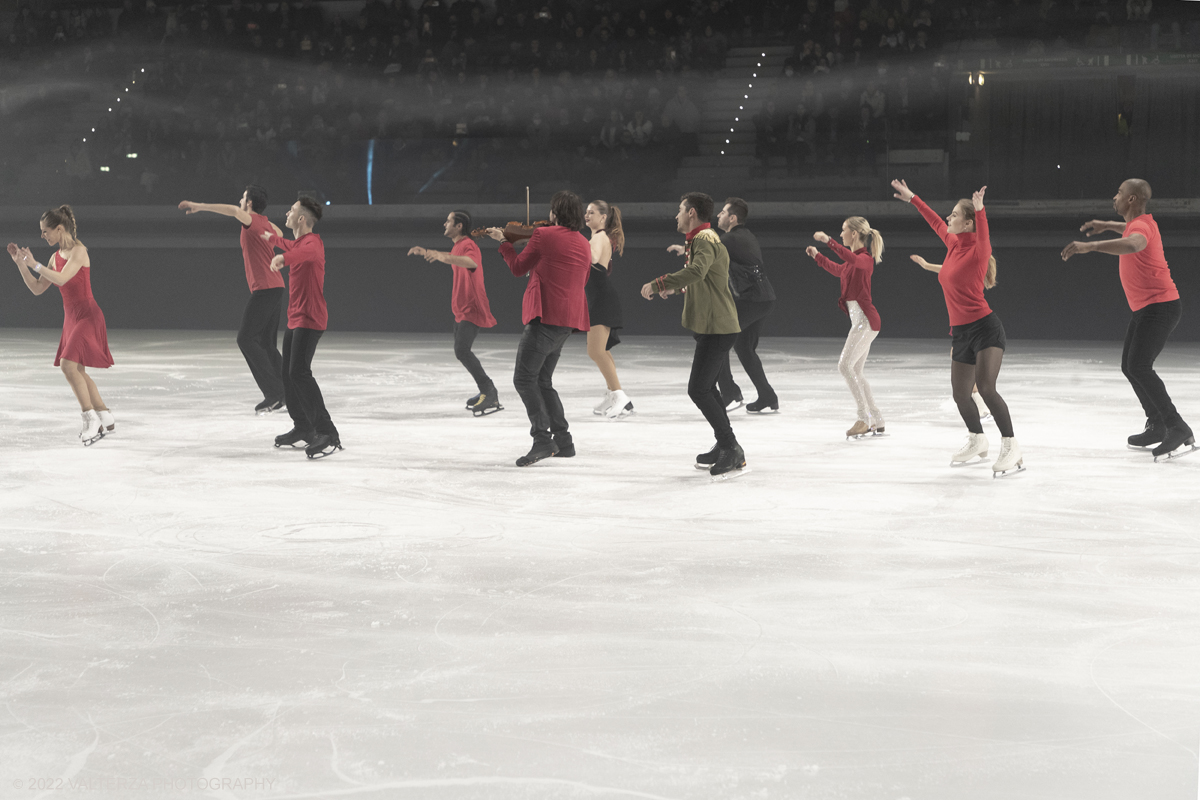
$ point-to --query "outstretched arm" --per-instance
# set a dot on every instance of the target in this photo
(1097, 226)
(926, 265)
(440, 255)
(224, 209)
(1134, 243)
(75, 262)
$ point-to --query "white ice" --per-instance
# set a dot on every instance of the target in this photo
(187, 610)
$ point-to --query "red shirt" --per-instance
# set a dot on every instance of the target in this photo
(855, 276)
(257, 254)
(964, 267)
(468, 298)
(305, 258)
(1145, 276)
(557, 261)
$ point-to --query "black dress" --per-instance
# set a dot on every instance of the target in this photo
(604, 307)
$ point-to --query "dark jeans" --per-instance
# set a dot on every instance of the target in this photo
(712, 353)
(258, 339)
(304, 401)
(464, 337)
(751, 316)
(1144, 340)
(537, 356)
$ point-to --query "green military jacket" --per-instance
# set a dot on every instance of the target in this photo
(707, 302)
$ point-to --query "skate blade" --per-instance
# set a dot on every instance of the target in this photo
(980, 459)
(705, 467)
(763, 411)
(861, 436)
(93, 440)
(485, 411)
(622, 414)
(1178, 452)
(728, 476)
(1140, 448)
(324, 453)
(1008, 472)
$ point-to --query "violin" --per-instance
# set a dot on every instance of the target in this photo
(514, 231)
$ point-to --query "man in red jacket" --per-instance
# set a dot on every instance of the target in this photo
(557, 260)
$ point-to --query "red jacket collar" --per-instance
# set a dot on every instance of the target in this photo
(696, 230)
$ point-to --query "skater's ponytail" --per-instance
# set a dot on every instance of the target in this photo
(871, 238)
(612, 225)
(63, 215)
(989, 280)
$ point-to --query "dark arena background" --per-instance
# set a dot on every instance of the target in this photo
(191, 611)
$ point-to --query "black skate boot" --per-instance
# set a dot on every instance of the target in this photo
(487, 403)
(1152, 435)
(565, 444)
(290, 438)
(706, 460)
(731, 462)
(323, 444)
(471, 401)
(268, 407)
(733, 402)
(1176, 437)
(764, 405)
(539, 451)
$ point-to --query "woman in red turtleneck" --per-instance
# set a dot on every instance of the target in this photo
(978, 335)
(862, 250)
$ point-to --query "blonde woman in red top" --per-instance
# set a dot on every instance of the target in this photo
(860, 251)
(84, 340)
(978, 334)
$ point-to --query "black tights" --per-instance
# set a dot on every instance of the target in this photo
(983, 374)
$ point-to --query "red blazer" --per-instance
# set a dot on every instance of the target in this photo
(557, 261)
(855, 276)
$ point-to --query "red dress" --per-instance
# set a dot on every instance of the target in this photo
(85, 336)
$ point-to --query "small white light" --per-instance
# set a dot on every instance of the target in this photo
(85, 138)
(93, 130)
(735, 119)
(764, 55)
(131, 155)
(722, 152)
(110, 109)
(751, 85)
(746, 96)
(328, 203)
(127, 88)
(118, 99)
(741, 108)
(1060, 166)
(105, 169)
(726, 141)
(143, 69)
(755, 75)
(731, 130)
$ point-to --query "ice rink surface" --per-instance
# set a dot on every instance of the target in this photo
(187, 610)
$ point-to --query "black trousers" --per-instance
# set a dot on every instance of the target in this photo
(258, 339)
(1144, 340)
(301, 393)
(537, 356)
(751, 316)
(464, 337)
(712, 353)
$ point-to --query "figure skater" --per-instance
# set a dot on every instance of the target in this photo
(860, 251)
(604, 306)
(84, 341)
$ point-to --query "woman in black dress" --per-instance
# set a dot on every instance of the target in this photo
(604, 307)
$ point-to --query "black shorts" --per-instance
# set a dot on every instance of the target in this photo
(979, 335)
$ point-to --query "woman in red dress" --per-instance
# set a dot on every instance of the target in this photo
(84, 338)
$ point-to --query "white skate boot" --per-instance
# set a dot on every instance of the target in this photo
(976, 445)
(1009, 461)
(621, 405)
(92, 430)
(106, 417)
(601, 408)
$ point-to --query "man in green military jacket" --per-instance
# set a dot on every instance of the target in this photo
(709, 312)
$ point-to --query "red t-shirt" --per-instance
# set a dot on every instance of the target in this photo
(257, 254)
(305, 259)
(855, 277)
(1145, 276)
(558, 261)
(468, 298)
(964, 267)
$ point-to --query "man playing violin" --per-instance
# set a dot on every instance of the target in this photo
(557, 260)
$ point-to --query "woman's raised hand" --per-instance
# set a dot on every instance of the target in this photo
(811, 251)
(821, 236)
(15, 252)
(977, 199)
(902, 191)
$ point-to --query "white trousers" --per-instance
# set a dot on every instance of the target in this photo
(854, 357)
